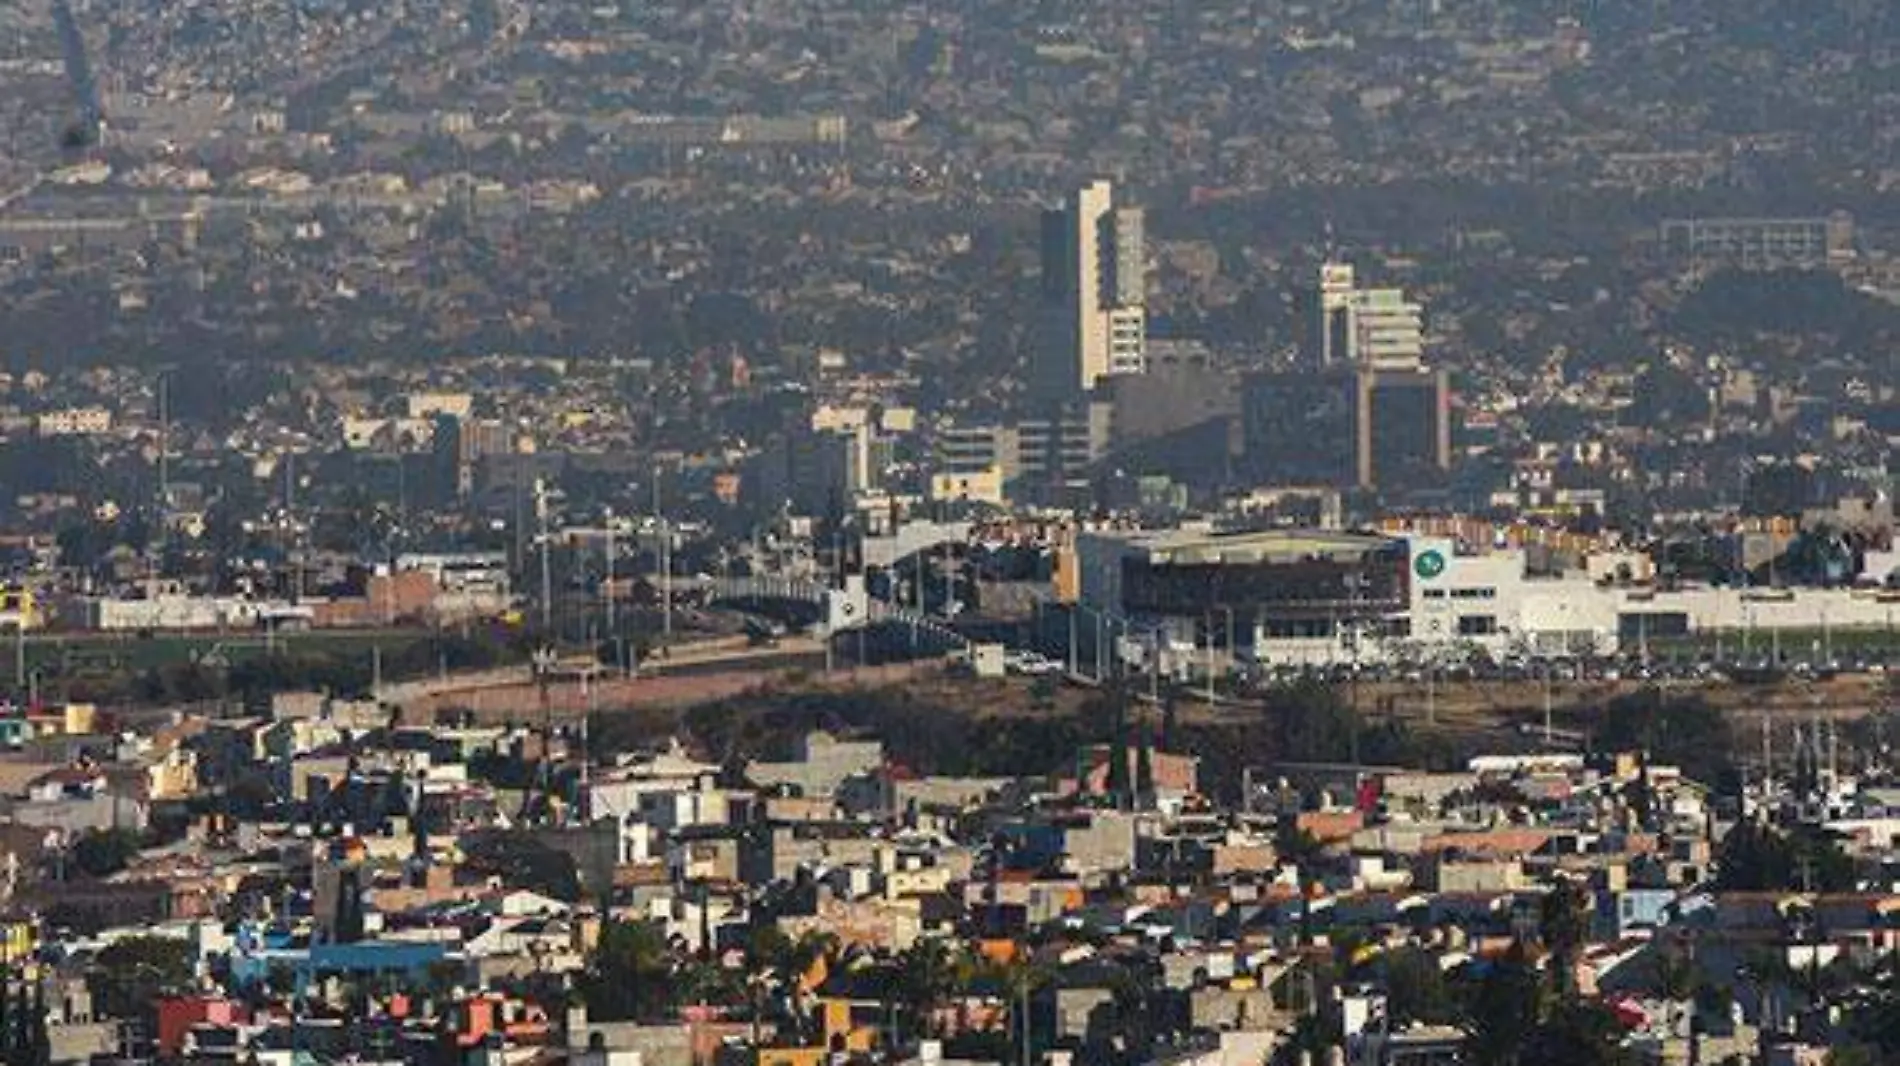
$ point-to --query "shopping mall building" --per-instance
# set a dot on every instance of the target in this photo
(1316, 597)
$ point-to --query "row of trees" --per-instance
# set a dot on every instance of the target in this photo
(1522, 1008)
(636, 974)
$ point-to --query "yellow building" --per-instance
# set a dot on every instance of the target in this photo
(18, 939)
(981, 486)
(792, 1056)
(19, 608)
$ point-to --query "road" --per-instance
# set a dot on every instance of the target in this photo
(697, 683)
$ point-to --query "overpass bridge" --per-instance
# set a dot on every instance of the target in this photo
(829, 611)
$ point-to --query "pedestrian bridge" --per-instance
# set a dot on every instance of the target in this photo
(829, 611)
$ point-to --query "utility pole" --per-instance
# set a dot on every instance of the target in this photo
(547, 573)
(607, 590)
(583, 800)
(1547, 723)
(1209, 619)
(949, 578)
(666, 563)
(1154, 670)
(1024, 1005)
(164, 447)
(1075, 616)
(1767, 753)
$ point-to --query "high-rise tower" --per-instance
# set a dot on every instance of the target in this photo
(1093, 285)
(1371, 415)
(1375, 328)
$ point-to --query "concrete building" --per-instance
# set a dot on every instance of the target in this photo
(1760, 243)
(1300, 428)
(75, 422)
(1366, 427)
(1377, 328)
(969, 451)
(1291, 597)
(823, 763)
(1054, 452)
(818, 470)
(1093, 287)
(1191, 587)
(1402, 426)
(1372, 416)
(461, 442)
(1045, 456)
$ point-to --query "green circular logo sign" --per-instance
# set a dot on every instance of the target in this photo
(1429, 564)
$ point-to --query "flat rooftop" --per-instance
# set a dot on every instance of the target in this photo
(1181, 547)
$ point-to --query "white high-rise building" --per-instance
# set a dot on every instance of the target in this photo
(1094, 265)
(1377, 329)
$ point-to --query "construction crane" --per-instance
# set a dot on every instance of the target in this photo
(89, 122)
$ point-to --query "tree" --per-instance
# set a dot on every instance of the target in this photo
(629, 973)
(1676, 976)
(1118, 789)
(1875, 1022)
(1757, 858)
(801, 962)
(132, 972)
(1576, 1034)
(104, 852)
(37, 1049)
(1020, 978)
(1687, 732)
(522, 860)
(1416, 989)
(1564, 925)
(709, 982)
(1314, 724)
(926, 975)
(1504, 1010)
(1136, 1015)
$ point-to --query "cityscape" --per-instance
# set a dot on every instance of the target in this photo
(949, 533)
